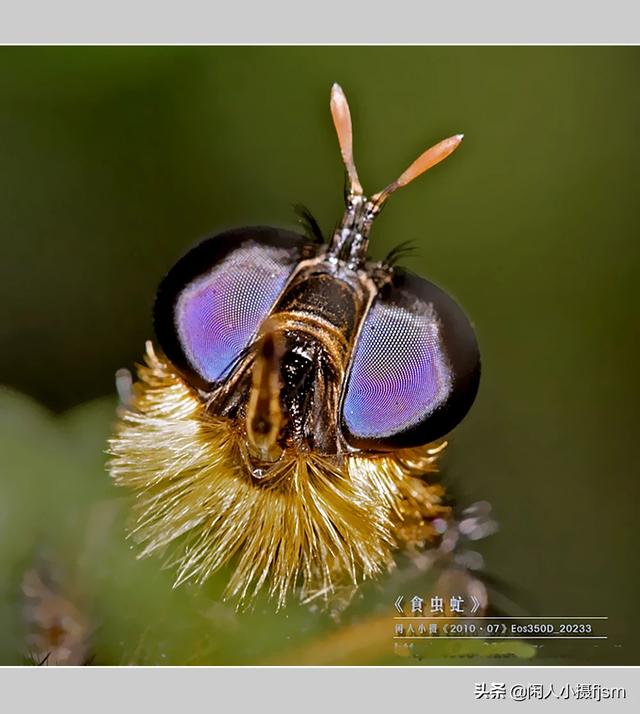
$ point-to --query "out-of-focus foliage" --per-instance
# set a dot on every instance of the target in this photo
(61, 516)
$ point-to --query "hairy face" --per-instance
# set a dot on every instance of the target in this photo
(290, 420)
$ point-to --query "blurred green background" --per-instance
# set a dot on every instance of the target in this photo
(116, 160)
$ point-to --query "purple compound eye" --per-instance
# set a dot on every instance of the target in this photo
(401, 372)
(219, 312)
(212, 302)
(414, 371)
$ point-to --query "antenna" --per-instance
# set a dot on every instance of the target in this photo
(342, 122)
(350, 240)
(425, 161)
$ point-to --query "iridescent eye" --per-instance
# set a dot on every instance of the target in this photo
(269, 434)
(415, 368)
(212, 302)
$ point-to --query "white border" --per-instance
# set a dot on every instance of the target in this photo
(319, 21)
(299, 690)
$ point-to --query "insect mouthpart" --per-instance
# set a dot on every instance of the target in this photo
(292, 419)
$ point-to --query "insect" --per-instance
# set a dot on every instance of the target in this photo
(290, 422)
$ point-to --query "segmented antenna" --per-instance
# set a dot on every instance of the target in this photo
(342, 122)
(424, 162)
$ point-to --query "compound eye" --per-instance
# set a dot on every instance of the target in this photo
(414, 371)
(211, 304)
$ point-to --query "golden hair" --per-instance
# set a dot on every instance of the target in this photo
(314, 525)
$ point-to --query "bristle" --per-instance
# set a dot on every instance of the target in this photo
(312, 526)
